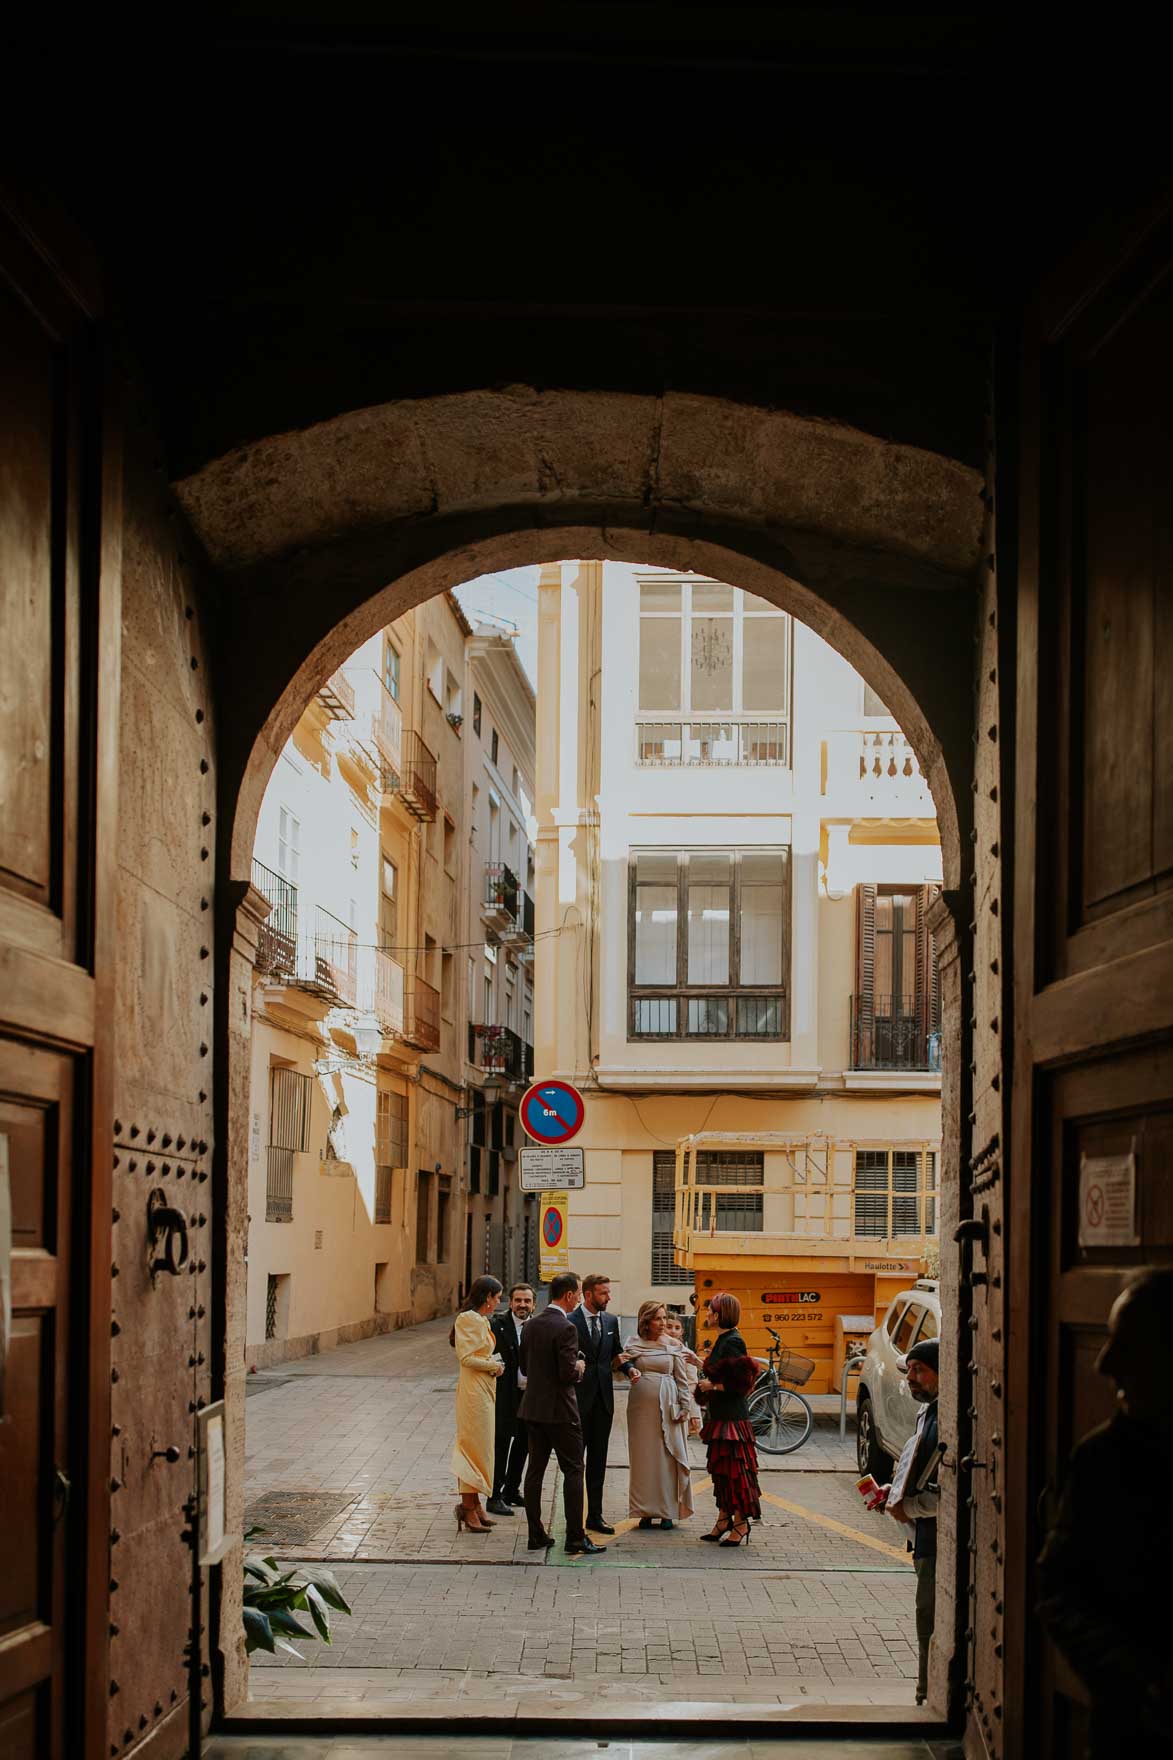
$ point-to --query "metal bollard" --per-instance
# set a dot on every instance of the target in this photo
(849, 1364)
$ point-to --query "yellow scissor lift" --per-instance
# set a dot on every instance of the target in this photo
(806, 1272)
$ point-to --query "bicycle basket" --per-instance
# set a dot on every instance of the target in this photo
(795, 1369)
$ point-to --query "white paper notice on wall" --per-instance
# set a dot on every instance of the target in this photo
(1107, 1201)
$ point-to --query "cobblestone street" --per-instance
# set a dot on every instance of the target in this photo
(347, 1460)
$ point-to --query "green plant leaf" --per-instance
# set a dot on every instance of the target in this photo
(319, 1612)
(281, 1620)
(288, 1648)
(258, 1634)
(327, 1585)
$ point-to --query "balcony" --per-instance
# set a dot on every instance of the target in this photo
(745, 743)
(379, 728)
(499, 1051)
(874, 775)
(417, 784)
(422, 1016)
(889, 1033)
(327, 960)
(499, 909)
(337, 697)
(382, 991)
(277, 941)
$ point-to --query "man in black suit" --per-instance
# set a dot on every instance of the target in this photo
(552, 1370)
(602, 1350)
(512, 1443)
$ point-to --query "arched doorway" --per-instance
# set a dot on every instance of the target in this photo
(331, 533)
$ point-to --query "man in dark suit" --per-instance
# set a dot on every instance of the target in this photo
(512, 1443)
(602, 1348)
(552, 1370)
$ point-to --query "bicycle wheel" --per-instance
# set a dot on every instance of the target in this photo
(781, 1420)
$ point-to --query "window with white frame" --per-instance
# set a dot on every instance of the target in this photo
(714, 675)
(288, 845)
(708, 944)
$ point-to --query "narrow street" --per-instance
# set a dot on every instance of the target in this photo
(347, 1461)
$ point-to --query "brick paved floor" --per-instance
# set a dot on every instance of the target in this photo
(819, 1607)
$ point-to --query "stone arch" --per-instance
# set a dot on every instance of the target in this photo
(329, 532)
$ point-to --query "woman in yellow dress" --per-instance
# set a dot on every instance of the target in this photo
(476, 1403)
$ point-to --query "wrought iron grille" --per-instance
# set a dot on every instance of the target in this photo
(664, 1267)
(279, 1185)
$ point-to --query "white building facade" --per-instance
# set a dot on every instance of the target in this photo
(736, 859)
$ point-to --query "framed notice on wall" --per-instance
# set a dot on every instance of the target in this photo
(214, 1541)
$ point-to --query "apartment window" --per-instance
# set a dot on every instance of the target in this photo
(476, 713)
(449, 846)
(894, 1193)
(708, 944)
(391, 665)
(288, 845)
(515, 782)
(453, 699)
(714, 675)
(447, 981)
(664, 1268)
(389, 907)
(423, 1216)
(493, 745)
(276, 1300)
(443, 1217)
(430, 974)
(487, 1002)
(896, 1009)
(391, 1129)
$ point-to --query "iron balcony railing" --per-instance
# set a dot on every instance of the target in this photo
(277, 941)
(499, 909)
(499, 1051)
(336, 696)
(417, 787)
(328, 958)
(379, 727)
(385, 991)
(715, 743)
(422, 1024)
(893, 1032)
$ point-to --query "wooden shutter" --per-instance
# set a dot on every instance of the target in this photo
(926, 963)
(863, 1010)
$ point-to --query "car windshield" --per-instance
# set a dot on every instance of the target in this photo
(929, 1326)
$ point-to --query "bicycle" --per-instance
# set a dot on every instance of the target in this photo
(781, 1416)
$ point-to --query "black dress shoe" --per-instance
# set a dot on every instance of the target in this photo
(597, 1525)
(515, 1498)
(584, 1545)
(497, 1506)
(546, 1541)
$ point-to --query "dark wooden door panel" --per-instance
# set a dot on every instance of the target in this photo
(58, 728)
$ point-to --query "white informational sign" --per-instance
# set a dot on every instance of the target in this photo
(1107, 1201)
(214, 1542)
(544, 1169)
(254, 1148)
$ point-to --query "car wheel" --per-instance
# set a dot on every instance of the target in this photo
(868, 1453)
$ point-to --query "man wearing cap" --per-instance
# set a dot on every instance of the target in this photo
(914, 1497)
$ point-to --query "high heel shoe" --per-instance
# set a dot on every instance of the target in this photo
(717, 1533)
(462, 1521)
(741, 1535)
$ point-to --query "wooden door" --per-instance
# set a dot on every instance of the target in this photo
(58, 707)
(1093, 915)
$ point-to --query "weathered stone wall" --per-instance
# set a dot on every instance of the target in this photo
(161, 1352)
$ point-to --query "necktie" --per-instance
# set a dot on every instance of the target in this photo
(595, 1332)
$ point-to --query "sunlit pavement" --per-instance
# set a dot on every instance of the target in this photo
(347, 1462)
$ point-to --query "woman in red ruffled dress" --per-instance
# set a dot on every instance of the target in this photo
(727, 1376)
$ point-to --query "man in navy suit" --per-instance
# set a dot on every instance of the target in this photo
(601, 1348)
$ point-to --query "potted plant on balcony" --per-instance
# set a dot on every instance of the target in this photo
(455, 721)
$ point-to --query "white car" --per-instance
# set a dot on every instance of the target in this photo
(885, 1411)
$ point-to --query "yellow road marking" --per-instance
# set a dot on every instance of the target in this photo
(796, 1509)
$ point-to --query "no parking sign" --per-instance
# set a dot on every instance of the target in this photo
(554, 1255)
(552, 1112)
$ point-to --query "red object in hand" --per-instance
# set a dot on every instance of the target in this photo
(875, 1496)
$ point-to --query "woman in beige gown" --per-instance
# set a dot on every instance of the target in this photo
(476, 1404)
(657, 1423)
